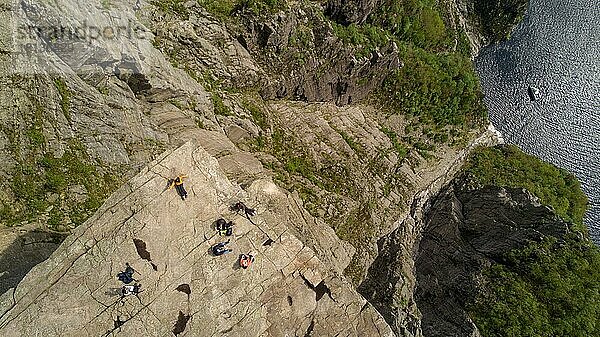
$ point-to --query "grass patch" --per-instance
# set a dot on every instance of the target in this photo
(400, 149)
(172, 7)
(258, 115)
(356, 147)
(65, 97)
(224, 9)
(219, 105)
(40, 175)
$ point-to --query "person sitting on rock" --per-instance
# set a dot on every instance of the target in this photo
(126, 290)
(178, 184)
(219, 249)
(240, 206)
(127, 275)
(246, 260)
(224, 227)
(137, 288)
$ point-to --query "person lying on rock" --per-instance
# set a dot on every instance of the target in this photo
(241, 207)
(129, 289)
(178, 184)
(219, 249)
(246, 260)
(224, 227)
(127, 275)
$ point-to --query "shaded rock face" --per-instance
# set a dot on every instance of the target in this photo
(465, 231)
(24, 252)
(347, 12)
(459, 232)
(293, 54)
(288, 290)
(388, 287)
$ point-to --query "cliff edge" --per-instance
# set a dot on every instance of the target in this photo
(185, 290)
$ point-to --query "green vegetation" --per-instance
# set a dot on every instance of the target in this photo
(437, 84)
(368, 37)
(65, 97)
(419, 22)
(40, 183)
(38, 178)
(498, 17)
(258, 115)
(509, 166)
(398, 146)
(219, 105)
(223, 9)
(440, 90)
(172, 6)
(106, 4)
(549, 288)
(356, 147)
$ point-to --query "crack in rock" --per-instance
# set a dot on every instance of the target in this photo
(322, 289)
(310, 329)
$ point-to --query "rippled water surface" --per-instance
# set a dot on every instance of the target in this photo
(557, 50)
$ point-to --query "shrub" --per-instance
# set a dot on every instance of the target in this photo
(549, 288)
(508, 166)
(546, 289)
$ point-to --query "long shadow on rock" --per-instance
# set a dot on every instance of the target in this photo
(25, 253)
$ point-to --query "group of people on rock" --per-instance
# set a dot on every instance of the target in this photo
(126, 277)
(223, 227)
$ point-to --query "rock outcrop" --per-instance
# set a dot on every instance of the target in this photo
(289, 290)
(465, 231)
(224, 88)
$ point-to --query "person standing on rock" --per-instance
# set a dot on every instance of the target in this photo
(241, 207)
(178, 184)
(224, 227)
(219, 249)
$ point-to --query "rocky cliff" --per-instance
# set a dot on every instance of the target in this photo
(289, 290)
(335, 123)
(465, 232)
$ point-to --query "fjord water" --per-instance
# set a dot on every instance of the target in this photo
(556, 49)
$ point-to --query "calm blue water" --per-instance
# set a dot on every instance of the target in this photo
(556, 49)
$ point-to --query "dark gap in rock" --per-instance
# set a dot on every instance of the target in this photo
(289, 299)
(268, 242)
(154, 266)
(227, 330)
(181, 323)
(184, 288)
(242, 41)
(264, 33)
(307, 283)
(310, 329)
(24, 253)
(322, 289)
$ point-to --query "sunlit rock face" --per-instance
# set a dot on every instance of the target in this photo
(186, 290)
